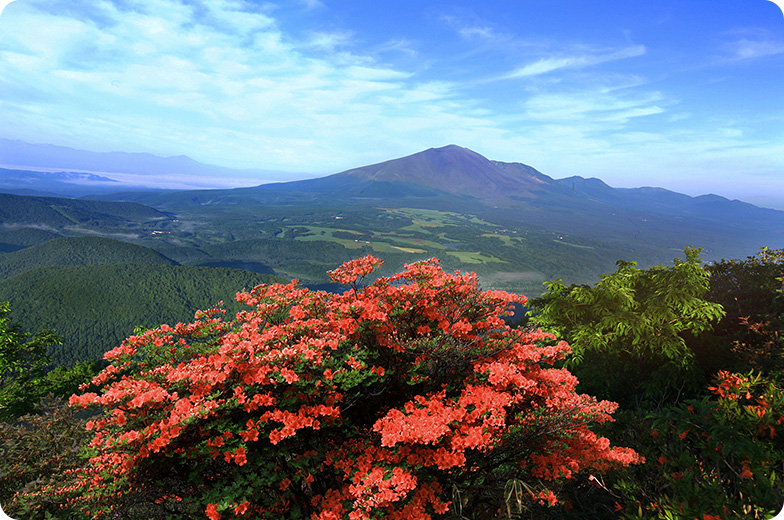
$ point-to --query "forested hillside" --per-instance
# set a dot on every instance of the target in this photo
(95, 307)
(15, 239)
(57, 212)
(77, 251)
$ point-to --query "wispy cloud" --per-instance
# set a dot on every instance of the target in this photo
(400, 45)
(473, 28)
(745, 48)
(329, 41)
(574, 61)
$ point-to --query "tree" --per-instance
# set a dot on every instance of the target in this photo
(23, 361)
(629, 330)
(752, 292)
(406, 398)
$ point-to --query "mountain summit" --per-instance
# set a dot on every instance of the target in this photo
(458, 171)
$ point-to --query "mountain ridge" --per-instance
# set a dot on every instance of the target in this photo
(462, 173)
(21, 153)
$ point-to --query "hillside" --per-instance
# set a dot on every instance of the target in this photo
(14, 239)
(61, 212)
(86, 250)
(95, 307)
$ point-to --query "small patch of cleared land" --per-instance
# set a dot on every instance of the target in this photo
(473, 257)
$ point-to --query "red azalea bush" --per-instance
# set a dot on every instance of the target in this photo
(406, 398)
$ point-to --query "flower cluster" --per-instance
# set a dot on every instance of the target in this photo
(371, 402)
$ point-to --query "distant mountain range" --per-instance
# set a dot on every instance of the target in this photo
(45, 169)
(468, 176)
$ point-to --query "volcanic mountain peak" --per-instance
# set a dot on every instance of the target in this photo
(456, 170)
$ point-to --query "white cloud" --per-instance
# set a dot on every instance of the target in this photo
(329, 41)
(592, 107)
(474, 29)
(229, 74)
(486, 33)
(399, 45)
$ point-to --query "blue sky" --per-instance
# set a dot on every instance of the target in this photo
(684, 95)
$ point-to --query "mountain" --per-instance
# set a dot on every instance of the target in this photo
(669, 202)
(457, 171)
(512, 224)
(451, 176)
(441, 177)
(20, 153)
(459, 179)
(55, 184)
(456, 179)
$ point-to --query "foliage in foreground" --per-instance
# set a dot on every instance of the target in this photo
(752, 293)
(718, 454)
(715, 458)
(407, 398)
(721, 455)
(23, 364)
(40, 451)
(653, 339)
(629, 332)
